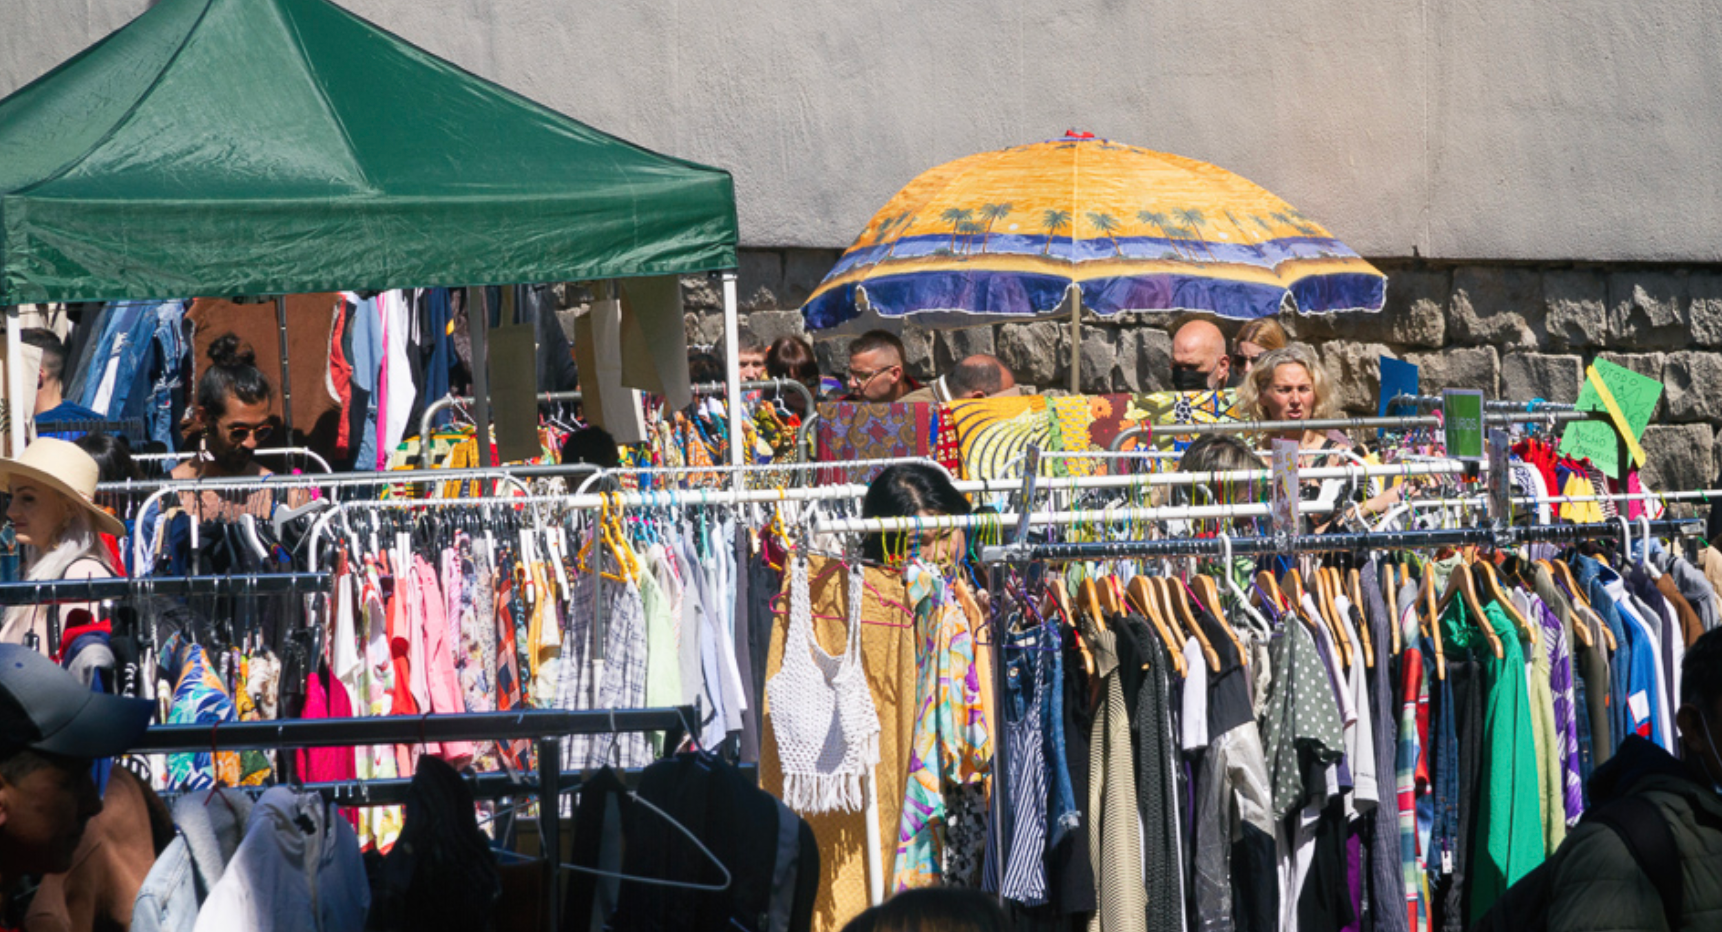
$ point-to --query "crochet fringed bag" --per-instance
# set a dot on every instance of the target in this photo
(821, 708)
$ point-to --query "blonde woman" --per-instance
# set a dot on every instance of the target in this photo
(54, 514)
(1290, 385)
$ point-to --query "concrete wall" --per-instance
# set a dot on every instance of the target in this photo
(1520, 331)
(1541, 130)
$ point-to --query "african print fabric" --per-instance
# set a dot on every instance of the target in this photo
(864, 431)
(951, 746)
(200, 698)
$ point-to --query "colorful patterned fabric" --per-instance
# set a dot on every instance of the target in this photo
(1180, 409)
(200, 698)
(1009, 233)
(951, 745)
(851, 430)
(1410, 748)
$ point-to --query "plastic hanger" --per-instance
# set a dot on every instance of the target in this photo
(636, 799)
(1239, 596)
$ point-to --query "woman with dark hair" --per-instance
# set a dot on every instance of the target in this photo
(911, 490)
(792, 358)
(113, 456)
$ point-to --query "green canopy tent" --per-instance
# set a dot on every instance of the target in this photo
(267, 147)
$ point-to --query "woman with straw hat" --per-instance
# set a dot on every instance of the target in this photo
(54, 514)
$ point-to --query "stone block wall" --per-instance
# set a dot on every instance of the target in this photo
(1517, 331)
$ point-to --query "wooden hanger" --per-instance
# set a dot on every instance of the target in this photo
(1110, 601)
(1323, 582)
(1581, 603)
(1492, 586)
(1180, 601)
(1579, 624)
(1265, 582)
(1461, 584)
(1209, 592)
(1089, 593)
(1432, 615)
(1390, 593)
(1138, 594)
(1355, 580)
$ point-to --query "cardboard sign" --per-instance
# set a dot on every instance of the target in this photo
(1627, 399)
(1284, 485)
(1462, 410)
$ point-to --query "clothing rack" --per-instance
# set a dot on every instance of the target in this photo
(426, 422)
(1326, 543)
(545, 727)
(59, 591)
(1535, 405)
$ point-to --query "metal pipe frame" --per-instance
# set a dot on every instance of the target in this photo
(100, 590)
(1324, 543)
(306, 452)
(1408, 422)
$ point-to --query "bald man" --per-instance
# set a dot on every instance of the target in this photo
(978, 376)
(1199, 359)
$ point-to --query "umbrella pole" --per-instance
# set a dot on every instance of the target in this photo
(478, 327)
(1075, 340)
(15, 381)
(732, 375)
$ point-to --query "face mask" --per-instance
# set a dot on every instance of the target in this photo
(1185, 379)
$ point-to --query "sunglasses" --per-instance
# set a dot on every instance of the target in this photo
(236, 433)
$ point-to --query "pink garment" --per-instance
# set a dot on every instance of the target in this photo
(318, 765)
(454, 586)
(427, 613)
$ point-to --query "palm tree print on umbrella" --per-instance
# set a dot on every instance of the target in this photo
(1155, 218)
(1054, 222)
(956, 217)
(1105, 223)
(1194, 219)
(993, 213)
(899, 225)
(970, 230)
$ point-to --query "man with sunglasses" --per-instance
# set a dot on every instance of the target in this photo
(876, 370)
(232, 417)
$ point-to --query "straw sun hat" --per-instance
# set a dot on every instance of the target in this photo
(64, 467)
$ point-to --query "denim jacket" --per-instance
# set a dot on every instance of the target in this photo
(141, 357)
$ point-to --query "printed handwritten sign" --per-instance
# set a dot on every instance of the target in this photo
(1462, 417)
(1627, 400)
(1284, 484)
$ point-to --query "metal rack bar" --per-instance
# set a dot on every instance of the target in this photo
(1408, 422)
(546, 727)
(1322, 543)
(305, 452)
(703, 388)
(100, 590)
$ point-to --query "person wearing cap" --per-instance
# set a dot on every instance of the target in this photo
(71, 857)
(54, 513)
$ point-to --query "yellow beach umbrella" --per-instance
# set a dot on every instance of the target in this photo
(1042, 230)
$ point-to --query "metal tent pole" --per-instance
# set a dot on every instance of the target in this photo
(478, 325)
(286, 382)
(15, 386)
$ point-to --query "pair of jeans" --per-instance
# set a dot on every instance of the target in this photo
(1584, 750)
